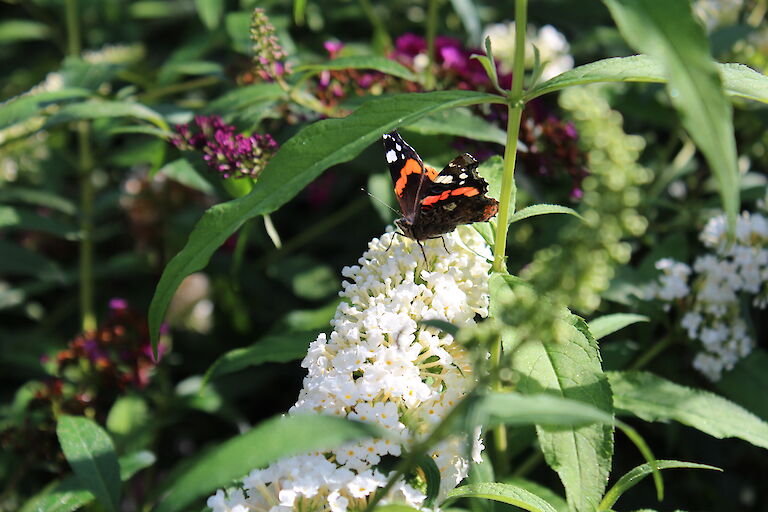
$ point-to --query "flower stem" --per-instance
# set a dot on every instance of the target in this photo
(650, 354)
(508, 188)
(87, 315)
(507, 204)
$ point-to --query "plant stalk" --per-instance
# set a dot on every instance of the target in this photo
(508, 188)
(507, 201)
(85, 173)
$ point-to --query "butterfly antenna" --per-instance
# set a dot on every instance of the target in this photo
(380, 201)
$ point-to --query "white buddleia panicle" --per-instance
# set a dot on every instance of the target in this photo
(710, 293)
(381, 365)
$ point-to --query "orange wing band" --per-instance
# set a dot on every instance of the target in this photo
(411, 167)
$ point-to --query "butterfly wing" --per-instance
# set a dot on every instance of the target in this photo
(456, 196)
(410, 176)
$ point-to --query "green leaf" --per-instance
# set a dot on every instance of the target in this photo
(17, 260)
(738, 80)
(105, 109)
(459, 122)
(635, 475)
(69, 494)
(504, 493)
(580, 455)
(653, 398)
(128, 420)
(539, 490)
(37, 197)
(12, 31)
(469, 15)
(20, 108)
(210, 12)
(22, 219)
(373, 62)
(396, 507)
(645, 450)
(301, 159)
(265, 443)
(431, 476)
(91, 455)
(244, 97)
(542, 209)
(747, 383)
(194, 68)
(608, 324)
(182, 171)
(279, 348)
(536, 409)
(667, 31)
(299, 11)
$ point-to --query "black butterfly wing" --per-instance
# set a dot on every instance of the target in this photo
(456, 196)
(409, 175)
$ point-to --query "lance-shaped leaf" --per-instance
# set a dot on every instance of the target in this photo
(608, 324)
(653, 398)
(738, 80)
(273, 439)
(581, 455)
(667, 31)
(91, 455)
(504, 493)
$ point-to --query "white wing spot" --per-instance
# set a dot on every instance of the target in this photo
(391, 156)
(444, 179)
(463, 176)
(398, 147)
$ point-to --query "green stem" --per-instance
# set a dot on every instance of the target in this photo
(190, 85)
(73, 27)
(381, 35)
(429, 79)
(240, 247)
(508, 188)
(507, 204)
(652, 352)
(87, 315)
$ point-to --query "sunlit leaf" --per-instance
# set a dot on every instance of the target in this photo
(738, 79)
(667, 31)
(608, 324)
(637, 474)
(272, 439)
(504, 493)
(90, 453)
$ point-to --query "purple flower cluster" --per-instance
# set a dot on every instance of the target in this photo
(223, 150)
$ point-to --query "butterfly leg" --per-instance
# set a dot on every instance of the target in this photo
(393, 239)
(442, 240)
(421, 246)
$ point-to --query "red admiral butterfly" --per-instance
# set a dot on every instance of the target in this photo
(434, 203)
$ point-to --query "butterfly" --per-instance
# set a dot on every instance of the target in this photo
(435, 203)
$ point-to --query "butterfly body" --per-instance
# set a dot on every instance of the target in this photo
(435, 203)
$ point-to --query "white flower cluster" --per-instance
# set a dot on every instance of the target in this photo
(554, 50)
(381, 365)
(712, 300)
